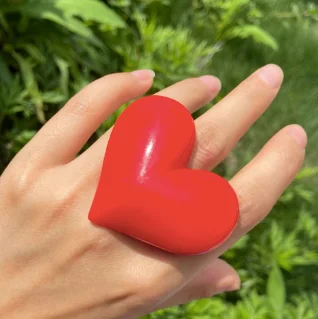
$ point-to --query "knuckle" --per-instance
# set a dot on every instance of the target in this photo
(245, 197)
(145, 285)
(20, 184)
(101, 242)
(140, 292)
(210, 146)
(252, 210)
(79, 106)
(143, 292)
(75, 109)
(194, 84)
(197, 89)
(62, 197)
(84, 103)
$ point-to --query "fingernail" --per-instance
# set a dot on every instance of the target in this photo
(299, 135)
(233, 287)
(144, 74)
(228, 284)
(272, 75)
(213, 83)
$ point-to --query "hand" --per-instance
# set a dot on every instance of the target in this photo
(54, 263)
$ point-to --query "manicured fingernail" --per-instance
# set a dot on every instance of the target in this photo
(272, 75)
(233, 287)
(144, 74)
(299, 134)
(229, 284)
(213, 83)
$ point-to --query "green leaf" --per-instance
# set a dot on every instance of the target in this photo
(70, 23)
(276, 290)
(64, 77)
(53, 97)
(231, 9)
(66, 13)
(259, 35)
(33, 51)
(57, 10)
(30, 83)
(3, 23)
(26, 71)
(90, 10)
(5, 74)
(307, 172)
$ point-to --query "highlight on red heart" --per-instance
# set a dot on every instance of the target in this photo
(146, 190)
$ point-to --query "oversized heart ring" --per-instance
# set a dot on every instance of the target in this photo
(146, 190)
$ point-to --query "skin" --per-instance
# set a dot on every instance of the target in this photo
(54, 263)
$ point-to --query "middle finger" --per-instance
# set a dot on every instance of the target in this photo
(219, 129)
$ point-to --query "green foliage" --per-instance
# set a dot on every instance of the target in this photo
(155, 50)
(256, 307)
(258, 35)
(276, 290)
(299, 189)
(50, 49)
(235, 19)
(65, 13)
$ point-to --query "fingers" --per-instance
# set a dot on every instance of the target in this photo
(217, 278)
(219, 129)
(260, 183)
(65, 134)
(192, 93)
(258, 187)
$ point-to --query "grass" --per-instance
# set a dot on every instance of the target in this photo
(297, 101)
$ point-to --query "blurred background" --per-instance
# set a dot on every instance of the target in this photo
(50, 49)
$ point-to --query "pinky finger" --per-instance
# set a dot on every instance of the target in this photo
(261, 182)
(217, 278)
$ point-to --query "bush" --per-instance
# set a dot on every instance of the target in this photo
(52, 48)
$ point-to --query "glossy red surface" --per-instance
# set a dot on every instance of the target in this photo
(146, 191)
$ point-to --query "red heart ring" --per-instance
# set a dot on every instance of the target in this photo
(145, 190)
